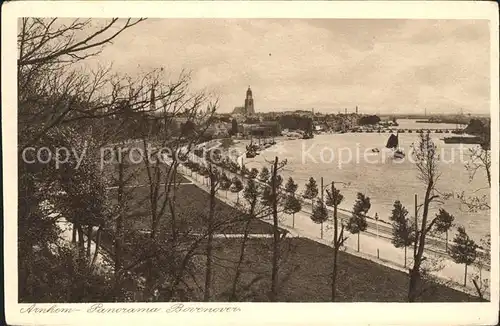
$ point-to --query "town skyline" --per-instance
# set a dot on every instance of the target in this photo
(326, 64)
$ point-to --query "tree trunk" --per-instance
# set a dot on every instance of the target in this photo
(242, 257)
(81, 243)
(321, 230)
(465, 276)
(336, 242)
(293, 220)
(119, 229)
(73, 238)
(334, 273)
(414, 277)
(89, 241)
(97, 244)
(446, 246)
(210, 228)
(358, 240)
(79, 289)
(276, 237)
(420, 239)
(405, 256)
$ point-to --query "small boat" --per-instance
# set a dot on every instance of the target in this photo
(308, 135)
(399, 154)
(375, 150)
(393, 143)
(250, 154)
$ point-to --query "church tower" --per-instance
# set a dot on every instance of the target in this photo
(249, 108)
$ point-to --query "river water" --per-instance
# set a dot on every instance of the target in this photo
(379, 175)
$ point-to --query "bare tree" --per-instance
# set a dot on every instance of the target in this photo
(276, 230)
(426, 158)
(251, 195)
(479, 162)
(52, 86)
(162, 170)
(214, 177)
(58, 98)
(483, 259)
(334, 198)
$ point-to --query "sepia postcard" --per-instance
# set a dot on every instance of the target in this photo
(244, 163)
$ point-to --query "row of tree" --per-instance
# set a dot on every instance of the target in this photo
(368, 120)
(405, 231)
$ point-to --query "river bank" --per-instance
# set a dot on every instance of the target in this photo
(342, 158)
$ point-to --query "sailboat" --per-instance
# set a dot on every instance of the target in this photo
(393, 143)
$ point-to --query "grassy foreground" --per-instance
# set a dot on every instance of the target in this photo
(305, 275)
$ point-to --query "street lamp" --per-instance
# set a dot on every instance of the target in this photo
(323, 187)
(376, 225)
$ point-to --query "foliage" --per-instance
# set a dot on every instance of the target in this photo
(236, 185)
(296, 122)
(279, 181)
(464, 249)
(291, 186)
(444, 221)
(311, 190)
(244, 171)
(368, 120)
(267, 196)
(357, 221)
(264, 175)
(403, 232)
(253, 173)
(333, 198)
(320, 213)
(62, 105)
(292, 205)
(225, 182)
(479, 161)
(251, 192)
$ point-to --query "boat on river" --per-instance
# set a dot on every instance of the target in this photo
(393, 143)
(252, 150)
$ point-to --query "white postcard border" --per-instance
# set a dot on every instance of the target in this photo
(251, 313)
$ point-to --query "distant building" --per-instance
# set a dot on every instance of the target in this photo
(219, 129)
(248, 108)
(263, 129)
(239, 110)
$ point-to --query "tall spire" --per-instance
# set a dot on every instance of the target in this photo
(249, 105)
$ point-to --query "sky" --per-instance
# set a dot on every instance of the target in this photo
(381, 66)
